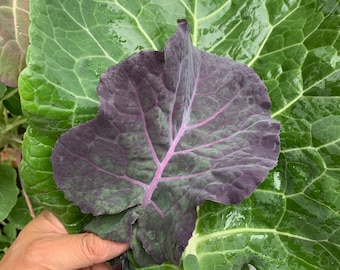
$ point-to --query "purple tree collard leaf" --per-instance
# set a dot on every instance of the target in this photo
(174, 128)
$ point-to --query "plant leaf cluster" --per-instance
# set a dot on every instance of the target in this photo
(292, 220)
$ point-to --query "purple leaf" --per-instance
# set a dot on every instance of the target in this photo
(174, 128)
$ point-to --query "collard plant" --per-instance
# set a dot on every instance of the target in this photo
(291, 221)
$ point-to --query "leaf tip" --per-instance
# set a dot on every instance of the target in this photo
(182, 21)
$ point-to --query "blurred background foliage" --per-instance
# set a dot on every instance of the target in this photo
(14, 208)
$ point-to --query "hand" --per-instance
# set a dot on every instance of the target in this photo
(44, 244)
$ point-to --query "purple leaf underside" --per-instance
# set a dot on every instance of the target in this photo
(174, 128)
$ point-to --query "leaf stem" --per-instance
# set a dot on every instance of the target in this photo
(27, 199)
(10, 94)
(29, 204)
(18, 121)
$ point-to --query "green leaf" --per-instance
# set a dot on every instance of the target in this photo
(20, 215)
(292, 221)
(8, 190)
(10, 231)
(190, 262)
(3, 90)
(4, 243)
(12, 103)
(14, 22)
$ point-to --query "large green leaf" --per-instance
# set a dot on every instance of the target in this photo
(14, 23)
(8, 190)
(292, 221)
(3, 90)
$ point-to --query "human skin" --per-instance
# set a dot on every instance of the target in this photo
(44, 244)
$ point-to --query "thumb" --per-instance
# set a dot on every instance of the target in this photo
(86, 249)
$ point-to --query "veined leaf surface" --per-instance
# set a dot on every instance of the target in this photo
(14, 21)
(292, 220)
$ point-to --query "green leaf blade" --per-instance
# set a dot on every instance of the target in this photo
(8, 190)
(14, 41)
(297, 205)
